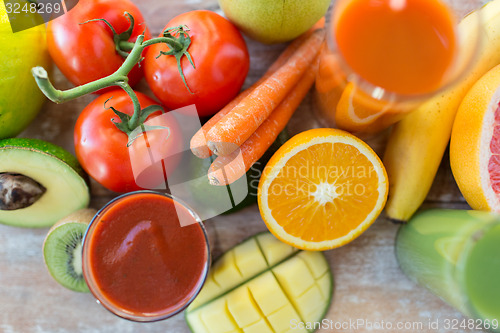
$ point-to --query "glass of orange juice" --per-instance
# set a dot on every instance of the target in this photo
(383, 58)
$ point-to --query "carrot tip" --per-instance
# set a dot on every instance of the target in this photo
(213, 180)
(213, 147)
(201, 152)
(222, 148)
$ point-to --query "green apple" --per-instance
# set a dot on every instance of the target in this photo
(20, 98)
(273, 21)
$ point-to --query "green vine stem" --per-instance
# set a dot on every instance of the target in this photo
(178, 48)
(116, 79)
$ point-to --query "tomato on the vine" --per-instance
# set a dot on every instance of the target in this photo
(101, 148)
(221, 60)
(87, 52)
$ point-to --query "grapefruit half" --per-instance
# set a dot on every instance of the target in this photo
(475, 144)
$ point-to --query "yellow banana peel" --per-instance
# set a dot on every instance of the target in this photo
(417, 143)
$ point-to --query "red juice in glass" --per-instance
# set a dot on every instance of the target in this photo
(145, 256)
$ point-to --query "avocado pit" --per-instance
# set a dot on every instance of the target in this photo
(18, 191)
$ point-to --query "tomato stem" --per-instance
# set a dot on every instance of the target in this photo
(134, 120)
(126, 46)
(171, 42)
(59, 96)
(123, 37)
(176, 38)
(118, 78)
(179, 50)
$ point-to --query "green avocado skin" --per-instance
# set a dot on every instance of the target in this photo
(45, 147)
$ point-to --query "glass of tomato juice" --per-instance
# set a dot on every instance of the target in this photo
(383, 58)
(145, 256)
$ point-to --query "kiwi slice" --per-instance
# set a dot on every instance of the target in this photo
(62, 249)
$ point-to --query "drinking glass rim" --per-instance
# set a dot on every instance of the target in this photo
(389, 96)
(127, 315)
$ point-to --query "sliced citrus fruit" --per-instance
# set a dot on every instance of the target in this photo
(322, 189)
(475, 144)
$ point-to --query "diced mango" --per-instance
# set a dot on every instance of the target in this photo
(294, 276)
(242, 307)
(316, 262)
(309, 303)
(317, 314)
(209, 291)
(249, 259)
(274, 249)
(281, 320)
(217, 318)
(225, 272)
(325, 284)
(259, 327)
(262, 286)
(267, 293)
(195, 322)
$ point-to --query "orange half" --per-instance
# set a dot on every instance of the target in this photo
(322, 189)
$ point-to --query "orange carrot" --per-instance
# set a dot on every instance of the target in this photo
(198, 142)
(245, 118)
(227, 169)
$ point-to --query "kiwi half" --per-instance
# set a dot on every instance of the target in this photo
(62, 249)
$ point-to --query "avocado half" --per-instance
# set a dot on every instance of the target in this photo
(57, 170)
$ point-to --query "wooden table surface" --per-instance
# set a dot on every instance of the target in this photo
(369, 285)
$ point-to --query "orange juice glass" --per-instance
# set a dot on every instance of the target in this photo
(383, 58)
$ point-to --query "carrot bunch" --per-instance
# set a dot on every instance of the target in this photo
(250, 123)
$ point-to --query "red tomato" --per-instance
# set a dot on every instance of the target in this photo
(86, 52)
(101, 148)
(221, 58)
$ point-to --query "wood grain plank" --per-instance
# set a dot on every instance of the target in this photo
(369, 284)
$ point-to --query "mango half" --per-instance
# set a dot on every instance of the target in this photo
(262, 285)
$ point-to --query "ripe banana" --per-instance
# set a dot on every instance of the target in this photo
(417, 143)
